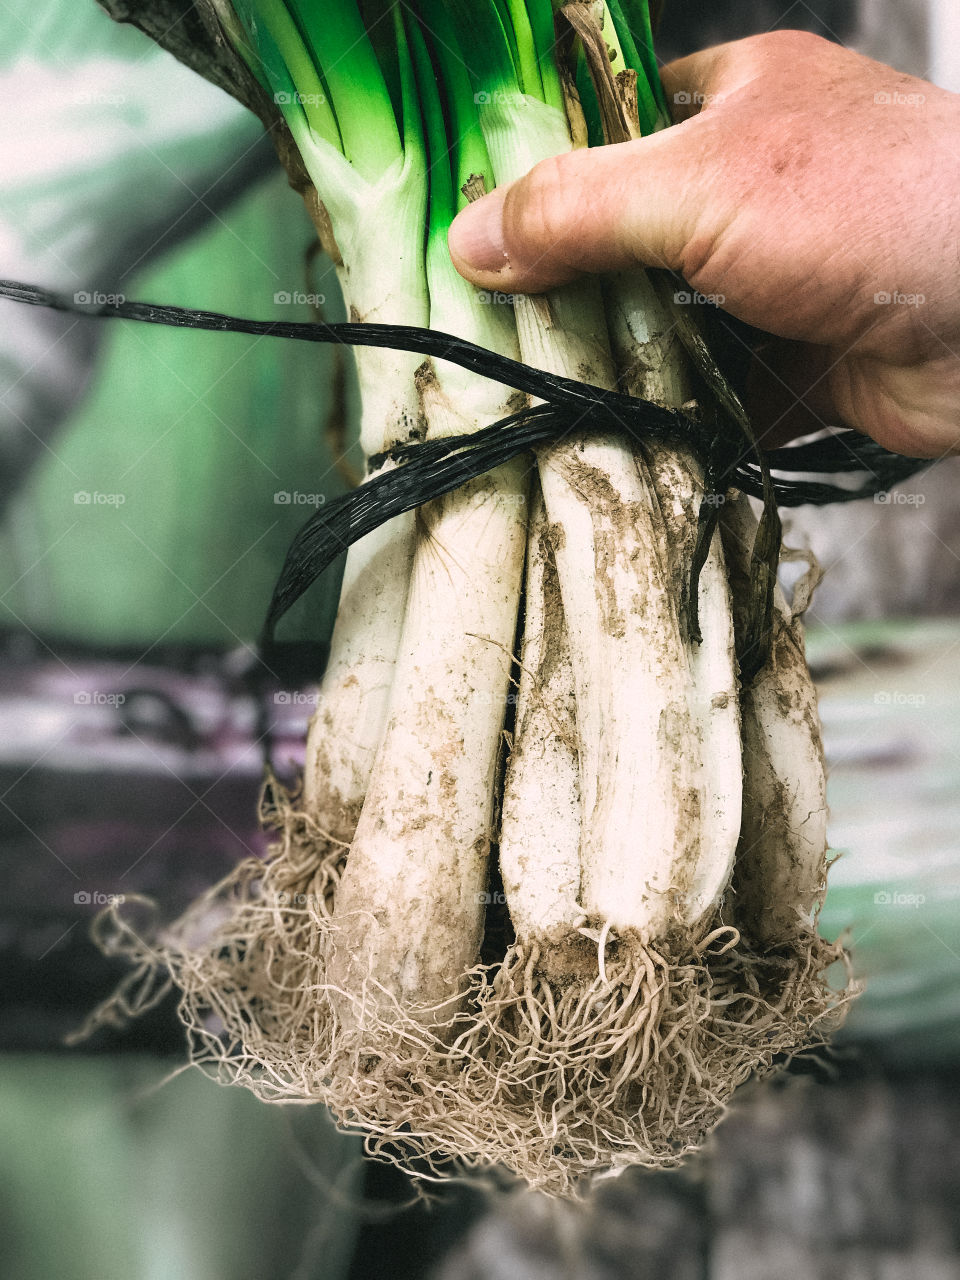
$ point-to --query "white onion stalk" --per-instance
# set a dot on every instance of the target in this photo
(639, 755)
(540, 815)
(598, 1030)
(382, 278)
(410, 906)
(653, 365)
(781, 861)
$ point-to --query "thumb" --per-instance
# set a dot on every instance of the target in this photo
(590, 210)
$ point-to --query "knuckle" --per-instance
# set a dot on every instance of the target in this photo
(543, 211)
(791, 43)
(772, 51)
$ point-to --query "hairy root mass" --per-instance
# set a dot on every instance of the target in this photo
(565, 1060)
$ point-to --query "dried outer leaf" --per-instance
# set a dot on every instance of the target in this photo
(616, 95)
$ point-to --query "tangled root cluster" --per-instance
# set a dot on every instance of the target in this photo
(564, 1062)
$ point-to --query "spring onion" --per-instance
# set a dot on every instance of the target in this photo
(780, 863)
(424, 834)
(655, 942)
(299, 52)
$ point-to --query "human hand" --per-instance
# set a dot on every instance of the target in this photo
(815, 191)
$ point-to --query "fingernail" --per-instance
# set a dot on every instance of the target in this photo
(476, 234)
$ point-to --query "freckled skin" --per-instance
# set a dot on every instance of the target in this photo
(801, 181)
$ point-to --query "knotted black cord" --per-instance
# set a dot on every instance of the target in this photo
(660, 423)
(414, 473)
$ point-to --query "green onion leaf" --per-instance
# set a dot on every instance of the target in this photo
(342, 51)
(631, 18)
(281, 61)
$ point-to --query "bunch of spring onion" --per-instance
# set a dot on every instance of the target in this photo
(515, 695)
